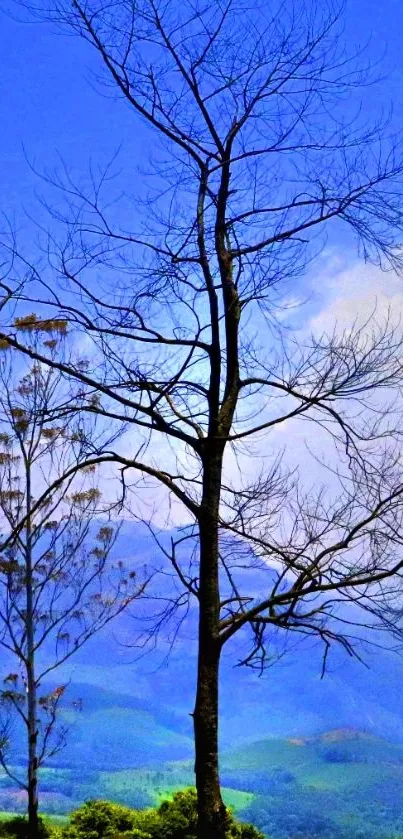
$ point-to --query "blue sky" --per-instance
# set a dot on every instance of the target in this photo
(50, 106)
(48, 103)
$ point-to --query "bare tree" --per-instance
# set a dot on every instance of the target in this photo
(58, 583)
(258, 147)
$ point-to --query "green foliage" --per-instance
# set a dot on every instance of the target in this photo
(175, 819)
(54, 832)
(99, 819)
(17, 828)
(178, 820)
(178, 817)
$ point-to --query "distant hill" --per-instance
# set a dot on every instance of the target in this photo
(339, 784)
(290, 698)
(299, 753)
(342, 784)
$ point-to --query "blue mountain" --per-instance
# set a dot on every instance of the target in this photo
(289, 699)
(128, 713)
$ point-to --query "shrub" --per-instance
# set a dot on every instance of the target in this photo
(17, 828)
(175, 819)
(100, 820)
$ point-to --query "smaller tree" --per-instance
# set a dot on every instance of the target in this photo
(58, 583)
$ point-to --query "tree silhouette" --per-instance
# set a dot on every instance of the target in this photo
(58, 583)
(257, 147)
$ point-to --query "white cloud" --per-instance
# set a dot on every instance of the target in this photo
(353, 292)
(342, 293)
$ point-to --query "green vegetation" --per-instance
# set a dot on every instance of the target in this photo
(17, 828)
(174, 819)
(341, 785)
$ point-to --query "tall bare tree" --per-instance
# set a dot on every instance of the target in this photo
(257, 148)
(58, 583)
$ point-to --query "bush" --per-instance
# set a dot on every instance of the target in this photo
(99, 819)
(175, 819)
(17, 828)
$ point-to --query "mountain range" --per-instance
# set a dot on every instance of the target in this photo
(330, 746)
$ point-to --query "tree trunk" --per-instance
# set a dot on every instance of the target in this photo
(212, 816)
(32, 761)
(32, 726)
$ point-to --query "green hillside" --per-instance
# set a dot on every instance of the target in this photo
(98, 737)
(342, 784)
